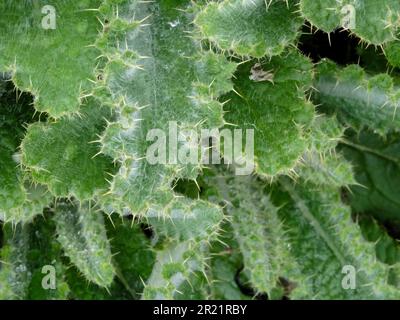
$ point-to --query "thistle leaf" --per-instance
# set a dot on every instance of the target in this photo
(376, 164)
(35, 199)
(74, 166)
(12, 192)
(277, 111)
(146, 98)
(20, 200)
(321, 164)
(83, 237)
(225, 263)
(258, 232)
(53, 64)
(392, 51)
(324, 244)
(374, 22)
(358, 99)
(250, 28)
(133, 260)
(178, 272)
(331, 169)
(187, 220)
(14, 275)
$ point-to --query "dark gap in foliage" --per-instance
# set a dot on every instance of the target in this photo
(344, 49)
(390, 226)
(288, 287)
(188, 188)
(392, 229)
(144, 227)
(245, 288)
(372, 59)
(129, 217)
(341, 49)
(147, 230)
(345, 196)
(16, 107)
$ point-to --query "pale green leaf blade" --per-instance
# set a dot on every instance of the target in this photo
(178, 272)
(138, 77)
(360, 100)
(14, 273)
(325, 240)
(82, 234)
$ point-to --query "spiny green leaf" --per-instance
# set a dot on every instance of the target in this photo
(187, 220)
(20, 200)
(225, 263)
(276, 110)
(258, 231)
(82, 234)
(358, 99)
(373, 21)
(63, 154)
(320, 164)
(331, 169)
(44, 251)
(178, 272)
(133, 261)
(392, 51)
(226, 260)
(53, 64)
(324, 134)
(251, 27)
(325, 243)
(12, 193)
(14, 275)
(35, 199)
(167, 79)
(376, 164)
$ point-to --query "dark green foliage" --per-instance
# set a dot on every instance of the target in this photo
(311, 210)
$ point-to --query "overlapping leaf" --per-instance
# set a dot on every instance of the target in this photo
(324, 244)
(358, 99)
(152, 84)
(376, 164)
(178, 272)
(83, 237)
(252, 28)
(275, 108)
(74, 166)
(20, 199)
(373, 21)
(14, 273)
(55, 65)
